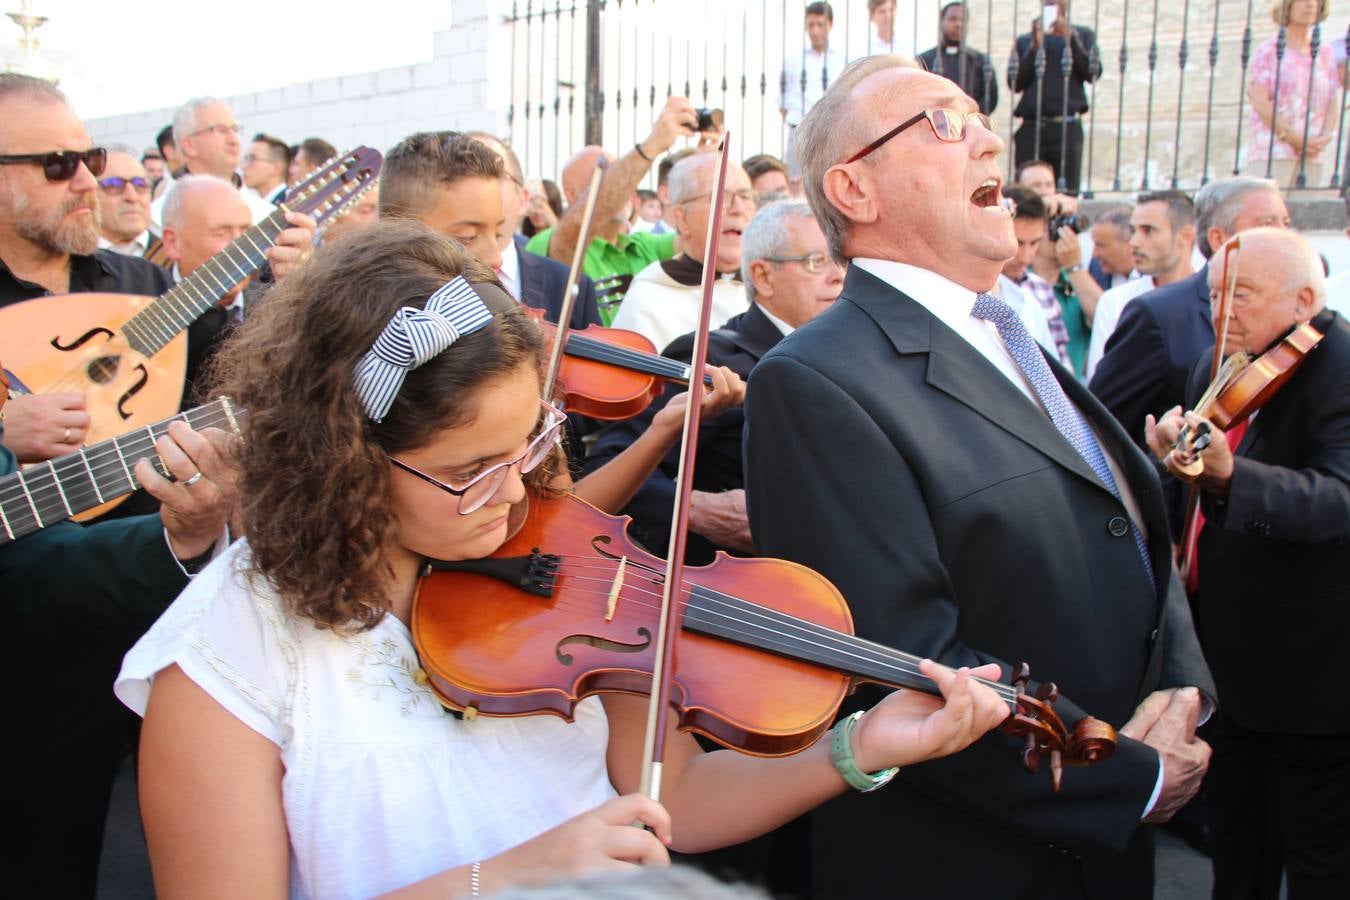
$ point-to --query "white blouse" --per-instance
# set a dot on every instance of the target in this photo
(382, 788)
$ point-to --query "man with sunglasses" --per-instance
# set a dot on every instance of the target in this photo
(975, 504)
(124, 203)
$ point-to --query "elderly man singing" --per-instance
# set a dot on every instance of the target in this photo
(975, 504)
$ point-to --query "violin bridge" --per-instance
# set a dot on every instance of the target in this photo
(615, 588)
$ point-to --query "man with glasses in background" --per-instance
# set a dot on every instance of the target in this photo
(207, 137)
(975, 504)
(265, 166)
(663, 301)
(124, 203)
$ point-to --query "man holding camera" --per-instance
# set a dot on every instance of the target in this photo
(1053, 102)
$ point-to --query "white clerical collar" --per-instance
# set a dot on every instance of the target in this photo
(951, 303)
(777, 322)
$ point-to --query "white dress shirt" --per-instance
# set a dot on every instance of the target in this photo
(831, 63)
(509, 271)
(1029, 310)
(134, 247)
(1107, 316)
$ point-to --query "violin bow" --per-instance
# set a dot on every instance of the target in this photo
(1191, 520)
(668, 626)
(573, 276)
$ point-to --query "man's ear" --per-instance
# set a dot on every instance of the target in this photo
(1305, 304)
(759, 276)
(677, 218)
(848, 193)
(170, 239)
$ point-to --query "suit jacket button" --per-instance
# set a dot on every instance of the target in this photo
(1118, 526)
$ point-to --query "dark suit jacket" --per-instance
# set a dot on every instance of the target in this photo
(975, 75)
(1275, 556)
(1149, 356)
(885, 452)
(542, 282)
(738, 345)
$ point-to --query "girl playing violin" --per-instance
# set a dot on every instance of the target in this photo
(289, 745)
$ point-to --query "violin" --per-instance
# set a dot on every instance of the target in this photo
(569, 607)
(610, 373)
(1243, 386)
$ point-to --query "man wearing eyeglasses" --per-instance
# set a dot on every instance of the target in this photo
(975, 504)
(207, 137)
(124, 203)
(663, 300)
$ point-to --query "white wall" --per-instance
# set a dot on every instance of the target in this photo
(450, 91)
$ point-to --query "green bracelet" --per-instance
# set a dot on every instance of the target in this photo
(841, 755)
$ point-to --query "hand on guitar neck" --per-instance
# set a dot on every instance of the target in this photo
(294, 245)
(197, 504)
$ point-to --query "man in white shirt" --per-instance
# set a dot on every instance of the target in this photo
(805, 78)
(265, 167)
(914, 446)
(124, 203)
(207, 137)
(663, 300)
(1162, 244)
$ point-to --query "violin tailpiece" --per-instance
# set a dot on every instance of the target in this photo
(534, 574)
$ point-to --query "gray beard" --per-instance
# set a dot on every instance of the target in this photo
(48, 232)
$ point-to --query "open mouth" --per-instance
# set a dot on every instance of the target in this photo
(987, 194)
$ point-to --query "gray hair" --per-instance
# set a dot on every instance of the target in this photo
(124, 148)
(1218, 204)
(185, 120)
(1119, 216)
(26, 87)
(827, 133)
(172, 214)
(766, 236)
(683, 183)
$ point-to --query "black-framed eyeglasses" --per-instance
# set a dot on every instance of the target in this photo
(221, 130)
(116, 185)
(481, 488)
(949, 126)
(812, 262)
(61, 165)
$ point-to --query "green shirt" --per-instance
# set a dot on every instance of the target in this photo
(1080, 333)
(628, 255)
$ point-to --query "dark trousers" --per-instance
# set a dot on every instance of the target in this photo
(1279, 804)
(1065, 156)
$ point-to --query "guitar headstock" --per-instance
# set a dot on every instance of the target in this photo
(1091, 740)
(336, 184)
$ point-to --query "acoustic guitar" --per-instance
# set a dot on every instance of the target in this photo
(92, 477)
(128, 354)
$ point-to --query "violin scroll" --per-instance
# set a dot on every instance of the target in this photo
(1091, 740)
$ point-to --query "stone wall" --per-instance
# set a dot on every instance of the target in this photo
(451, 90)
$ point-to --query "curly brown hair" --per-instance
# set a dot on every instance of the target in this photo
(315, 482)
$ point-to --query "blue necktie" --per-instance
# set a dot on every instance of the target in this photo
(1070, 422)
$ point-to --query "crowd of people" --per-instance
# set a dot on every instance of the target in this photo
(971, 408)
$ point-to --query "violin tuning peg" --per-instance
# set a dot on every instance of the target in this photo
(1021, 675)
(1048, 692)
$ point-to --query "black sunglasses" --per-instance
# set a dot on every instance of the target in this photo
(115, 184)
(61, 165)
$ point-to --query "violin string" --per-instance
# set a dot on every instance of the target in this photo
(782, 626)
(42, 487)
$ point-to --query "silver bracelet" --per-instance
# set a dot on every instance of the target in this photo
(475, 872)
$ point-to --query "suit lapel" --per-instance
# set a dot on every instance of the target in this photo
(958, 370)
(531, 290)
(754, 333)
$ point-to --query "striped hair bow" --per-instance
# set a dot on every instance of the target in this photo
(414, 337)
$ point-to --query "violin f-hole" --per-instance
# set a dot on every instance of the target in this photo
(81, 340)
(591, 640)
(132, 391)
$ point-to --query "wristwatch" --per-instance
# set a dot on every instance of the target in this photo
(1069, 270)
(841, 754)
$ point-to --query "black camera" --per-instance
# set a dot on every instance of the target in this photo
(1075, 222)
(709, 119)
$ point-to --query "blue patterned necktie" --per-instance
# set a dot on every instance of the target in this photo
(1070, 422)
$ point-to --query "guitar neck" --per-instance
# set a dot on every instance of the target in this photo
(150, 329)
(50, 492)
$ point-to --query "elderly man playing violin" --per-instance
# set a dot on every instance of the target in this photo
(971, 498)
(1273, 571)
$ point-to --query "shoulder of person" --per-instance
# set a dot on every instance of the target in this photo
(133, 274)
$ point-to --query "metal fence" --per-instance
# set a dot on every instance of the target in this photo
(1169, 110)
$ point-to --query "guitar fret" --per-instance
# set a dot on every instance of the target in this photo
(248, 238)
(4, 520)
(244, 270)
(229, 414)
(184, 308)
(92, 480)
(23, 483)
(117, 447)
(163, 466)
(60, 490)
